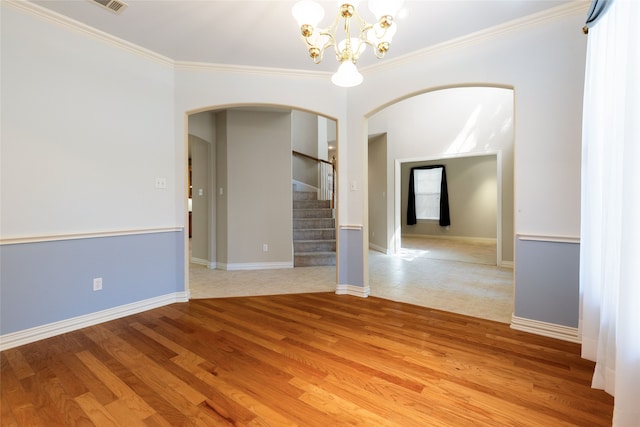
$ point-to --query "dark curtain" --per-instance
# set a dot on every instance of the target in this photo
(596, 11)
(445, 218)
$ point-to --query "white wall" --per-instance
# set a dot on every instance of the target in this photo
(544, 64)
(87, 126)
(76, 157)
(447, 124)
(201, 88)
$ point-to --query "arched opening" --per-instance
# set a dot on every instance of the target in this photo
(470, 131)
(245, 166)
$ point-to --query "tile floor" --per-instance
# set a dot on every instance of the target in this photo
(448, 275)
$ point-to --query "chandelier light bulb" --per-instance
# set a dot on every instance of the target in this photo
(307, 12)
(379, 34)
(347, 75)
(353, 3)
(382, 8)
(319, 40)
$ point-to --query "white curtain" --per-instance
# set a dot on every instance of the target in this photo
(610, 227)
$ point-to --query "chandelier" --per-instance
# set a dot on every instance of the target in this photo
(358, 34)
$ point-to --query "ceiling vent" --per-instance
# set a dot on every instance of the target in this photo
(115, 6)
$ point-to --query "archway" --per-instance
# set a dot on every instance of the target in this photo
(445, 125)
(241, 195)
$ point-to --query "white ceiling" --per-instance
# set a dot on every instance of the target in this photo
(263, 33)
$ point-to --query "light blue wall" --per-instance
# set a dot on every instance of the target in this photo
(46, 282)
(547, 281)
(81, 151)
(351, 255)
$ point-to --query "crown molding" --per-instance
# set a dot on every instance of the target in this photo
(249, 69)
(73, 25)
(569, 9)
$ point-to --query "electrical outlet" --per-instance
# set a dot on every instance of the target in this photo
(97, 284)
(265, 248)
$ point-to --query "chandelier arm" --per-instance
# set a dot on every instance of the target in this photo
(379, 53)
(316, 52)
(348, 51)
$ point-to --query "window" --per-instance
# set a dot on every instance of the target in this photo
(427, 188)
(428, 196)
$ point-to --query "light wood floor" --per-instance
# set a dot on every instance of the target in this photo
(302, 359)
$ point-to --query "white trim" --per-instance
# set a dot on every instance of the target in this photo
(254, 265)
(351, 227)
(200, 261)
(357, 291)
(301, 186)
(37, 333)
(378, 248)
(73, 25)
(506, 264)
(248, 69)
(469, 40)
(561, 332)
(454, 238)
(547, 238)
(87, 235)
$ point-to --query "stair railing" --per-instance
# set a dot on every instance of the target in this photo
(326, 177)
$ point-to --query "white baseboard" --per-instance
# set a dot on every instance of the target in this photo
(254, 265)
(200, 261)
(37, 333)
(506, 264)
(379, 249)
(455, 238)
(301, 186)
(564, 333)
(357, 291)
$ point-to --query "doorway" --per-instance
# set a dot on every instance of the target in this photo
(242, 222)
(466, 128)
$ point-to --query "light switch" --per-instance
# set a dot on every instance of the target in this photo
(161, 182)
(200, 192)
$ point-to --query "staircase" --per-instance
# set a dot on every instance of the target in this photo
(314, 230)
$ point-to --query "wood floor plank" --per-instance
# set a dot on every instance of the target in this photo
(127, 398)
(303, 359)
(96, 411)
(66, 405)
(19, 364)
(342, 411)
